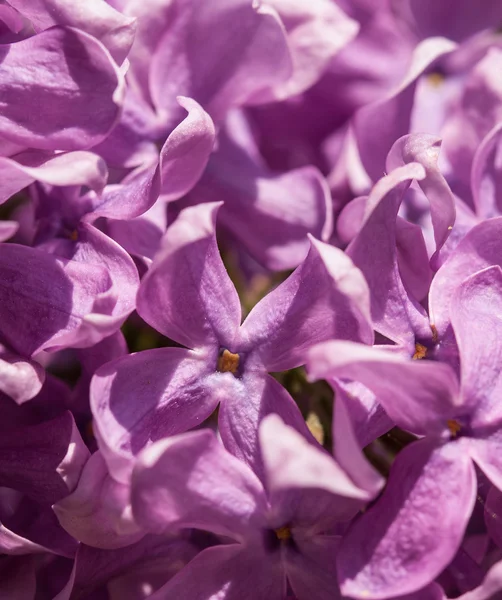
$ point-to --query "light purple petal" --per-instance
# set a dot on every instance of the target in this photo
(476, 310)
(229, 572)
(419, 396)
(486, 176)
(190, 480)
(269, 213)
(249, 34)
(147, 396)
(21, 379)
(410, 535)
(379, 125)
(96, 17)
(326, 297)
(98, 512)
(424, 149)
(187, 294)
(45, 299)
(8, 229)
(479, 249)
(486, 451)
(305, 484)
(71, 168)
(252, 398)
(395, 314)
(186, 151)
(316, 32)
(77, 102)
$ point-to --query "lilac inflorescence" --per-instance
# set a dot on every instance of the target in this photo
(250, 300)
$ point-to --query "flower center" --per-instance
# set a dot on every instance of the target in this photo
(454, 427)
(420, 352)
(283, 533)
(228, 362)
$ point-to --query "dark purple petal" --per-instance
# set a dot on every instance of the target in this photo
(71, 84)
(44, 300)
(491, 587)
(410, 535)
(190, 480)
(228, 571)
(326, 297)
(187, 294)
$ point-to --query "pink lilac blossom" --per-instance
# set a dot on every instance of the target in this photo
(250, 300)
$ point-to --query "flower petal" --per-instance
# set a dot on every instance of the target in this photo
(326, 297)
(147, 396)
(21, 379)
(419, 396)
(78, 102)
(413, 531)
(187, 294)
(190, 480)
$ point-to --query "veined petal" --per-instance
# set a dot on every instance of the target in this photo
(147, 396)
(190, 480)
(187, 294)
(325, 298)
(419, 396)
(76, 84)
(414, 530)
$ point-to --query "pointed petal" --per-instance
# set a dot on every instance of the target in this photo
(147, 396)
(187, 294)
(419, 396)
(305, 484)
(227, 572)
(242, 411)
(395, 313)
(414, 530)
(325, 298)
(190, 480)
(476, 310)
(77, 104)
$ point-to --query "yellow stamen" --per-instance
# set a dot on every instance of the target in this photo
(283, 533)
(315, 427)
(454, 427)
(420, 352)
(228, 362)
(434, 334)
(435, 79)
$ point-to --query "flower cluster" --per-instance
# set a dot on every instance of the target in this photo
(250, 299)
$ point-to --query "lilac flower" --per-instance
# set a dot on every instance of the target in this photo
(188, 296)
(412, 539)
(282, 535)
